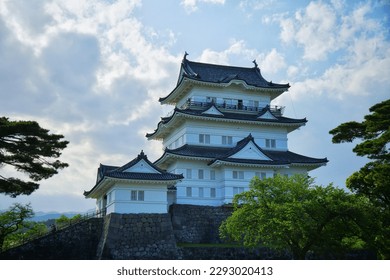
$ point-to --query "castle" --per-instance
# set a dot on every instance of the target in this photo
(222, 132)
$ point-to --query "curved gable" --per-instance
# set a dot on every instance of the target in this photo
(267, 115)
(142, 166)
(250, 151)
(212, 111)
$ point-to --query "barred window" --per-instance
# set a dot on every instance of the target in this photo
(201, 192)
(270, 143)
(137, 195)
(189, 192)
(200, 174)
(238, 174)
(204, 138)
(212, 192)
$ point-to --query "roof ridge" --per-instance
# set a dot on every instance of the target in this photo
(219, 65)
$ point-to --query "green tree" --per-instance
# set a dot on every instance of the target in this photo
(373, 179)
(14, 220)
(29, 149)
(64, 221)
(30, 230)
(292, 213)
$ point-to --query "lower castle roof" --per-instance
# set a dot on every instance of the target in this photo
(226, 155)
(125, 172)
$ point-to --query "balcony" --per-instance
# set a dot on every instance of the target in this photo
(239, 107)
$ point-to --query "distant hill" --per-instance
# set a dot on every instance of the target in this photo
(44, 216)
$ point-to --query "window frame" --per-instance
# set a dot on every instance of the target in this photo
(213, 192)
(201, 174)
(227, 140)
(204, 138)
(188, 173)
(137, 195)
(270, 143)
(201, 192)
(212, 175)
(238, 174)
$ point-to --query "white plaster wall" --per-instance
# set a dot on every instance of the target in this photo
(138, 207)
(155, 199)
(178, 132)
(180, 167)
(238, 131)
(224, 183)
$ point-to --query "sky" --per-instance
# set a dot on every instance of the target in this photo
(94, 70)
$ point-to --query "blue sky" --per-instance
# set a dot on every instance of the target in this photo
(94, 70)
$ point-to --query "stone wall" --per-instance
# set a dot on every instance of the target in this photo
(130, 236)
(198, 224)
(76, 242)
(137, 236)
(147, 236)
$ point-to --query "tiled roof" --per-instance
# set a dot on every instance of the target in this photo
(238, 116)
(231, 116)
(223, 154)
(144, 176)
(199, 151)
(106, 171)
(223, 74)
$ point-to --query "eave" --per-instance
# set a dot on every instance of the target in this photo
(218, 163)
(104, 185)
(186, 84)
(168, 158)
(310, 166)
(165, 127)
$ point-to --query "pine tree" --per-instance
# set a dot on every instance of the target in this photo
(30, 149)
(373, 179)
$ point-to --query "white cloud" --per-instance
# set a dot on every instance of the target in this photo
(292, 71)
(322, 28)
(88, 70)
(192, 5)
(272, 62)
(252, 7)
(345, 81)
(256, 5)
(365, 64)
(93, 70)
(269, 63)
(236, 48)
(317, 25)
(288, 30)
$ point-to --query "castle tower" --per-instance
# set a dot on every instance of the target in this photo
(223, 131)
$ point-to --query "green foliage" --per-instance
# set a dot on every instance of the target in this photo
(64, 221)
(373, 179)
(293, 213)
(29, 149)
(14, 220)
(30, 231)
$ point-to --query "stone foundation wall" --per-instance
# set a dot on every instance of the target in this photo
(76, 242)
(198, 224)
(137, 236)
(146, 236)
